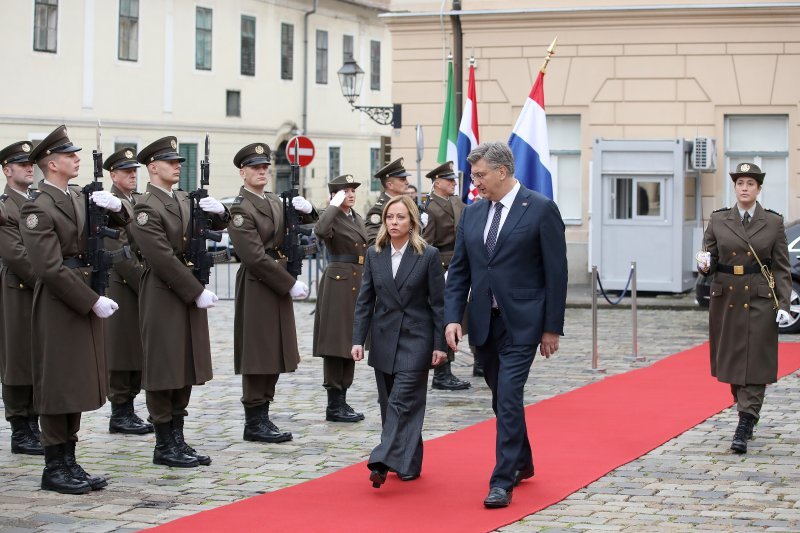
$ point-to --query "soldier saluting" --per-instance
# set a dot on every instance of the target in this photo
(16, 300)
(394, 182)
(746, 255)
(173, 304)
(123, 341)
(67, 348)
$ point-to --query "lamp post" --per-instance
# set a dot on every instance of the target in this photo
(351, 76)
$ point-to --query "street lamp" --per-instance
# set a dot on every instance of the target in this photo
(351, 76)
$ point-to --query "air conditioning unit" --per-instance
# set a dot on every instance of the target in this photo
(704, 154)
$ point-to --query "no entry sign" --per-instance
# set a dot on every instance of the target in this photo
(304, 148)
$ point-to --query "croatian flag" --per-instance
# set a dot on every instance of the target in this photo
(468, 139)
(529, 145)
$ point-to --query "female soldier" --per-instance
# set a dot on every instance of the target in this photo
(401, 302)
(747, 301)
(345, 237)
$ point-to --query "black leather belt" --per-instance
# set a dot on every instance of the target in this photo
(738, 270)
(496, 311)
(74, 262)
(355, 259)
(275, 254)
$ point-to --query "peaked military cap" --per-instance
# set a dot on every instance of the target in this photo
(164, 149)
(748, 170)
(19, 152)
(444, 171)
(342, 182)
(253, 154)
(56, 143)
(395, 169)
(125, 158)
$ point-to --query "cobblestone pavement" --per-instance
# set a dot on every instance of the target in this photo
(691, 482)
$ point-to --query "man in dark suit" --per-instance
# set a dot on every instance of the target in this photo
(511, 251)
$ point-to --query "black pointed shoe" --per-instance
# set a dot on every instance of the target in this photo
(378, 477)
(497, 498)
(57, 477)
(521, 475)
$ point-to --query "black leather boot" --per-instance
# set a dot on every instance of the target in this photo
(57, 477)
(477, 367)
(280, 436)
(744, 431)
(95, 482)
(443, 379)
(22, 440)
(166, 451)
(124, 420)
(257, 428)
(33, 423)
(349, 409)
(336, 412)
(177, 433)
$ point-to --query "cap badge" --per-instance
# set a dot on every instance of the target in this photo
(128, 154)
(238, 220)
(142, 219)
(32, 221)
(744, 167)
(26, 147)
(65, 132)
(173, 144)
(349, 179)
(259, 149)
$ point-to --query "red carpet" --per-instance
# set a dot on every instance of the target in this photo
(577, 437)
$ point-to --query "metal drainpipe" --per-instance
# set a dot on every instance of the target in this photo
(458, 59)
(305, 81)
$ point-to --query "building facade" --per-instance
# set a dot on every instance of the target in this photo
(240, 70)
(727, 70)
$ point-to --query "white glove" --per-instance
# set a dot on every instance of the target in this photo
(301, 204)
(337, 199)
(104, 307)
(211, 205)
(106, 200)
(299, 291)
(206, 299)
(703, 260)
(423, 218)
(783, 316)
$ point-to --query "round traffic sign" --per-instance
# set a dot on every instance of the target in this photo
(301, 147)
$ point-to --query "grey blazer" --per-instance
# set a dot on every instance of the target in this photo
(405, 314)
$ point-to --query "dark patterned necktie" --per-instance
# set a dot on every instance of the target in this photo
(746, 219)
(491, 237)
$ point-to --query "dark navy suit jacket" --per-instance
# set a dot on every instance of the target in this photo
(527, 274)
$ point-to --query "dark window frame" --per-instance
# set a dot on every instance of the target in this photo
(348, 47)
(43, 10)
(128, 31)
(287, 51)
(322, 57)
(203, 37)
(375, 65)
(233, 109)
(247, 56)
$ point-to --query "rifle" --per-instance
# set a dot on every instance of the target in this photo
(97, 229)
(198, 257)
(291, 247)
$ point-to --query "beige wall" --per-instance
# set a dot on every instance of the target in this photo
(163, 94)
(629, 74)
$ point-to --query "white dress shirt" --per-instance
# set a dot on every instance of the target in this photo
(65, 191)
(170, 192)
(752, 211)
(397, 256)
(507, 201)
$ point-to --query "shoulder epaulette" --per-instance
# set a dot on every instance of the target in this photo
(33, 194)
(238, 200)
(74, 185)
(3, 197)
(721, 209)
(773, 212)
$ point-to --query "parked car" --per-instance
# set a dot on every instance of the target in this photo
(793, 238)
(225, 243)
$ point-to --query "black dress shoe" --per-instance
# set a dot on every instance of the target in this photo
(378, 477)
(407, 477)
(497, 498)
(522, 475)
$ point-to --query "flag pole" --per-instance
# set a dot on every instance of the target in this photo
(550, 51)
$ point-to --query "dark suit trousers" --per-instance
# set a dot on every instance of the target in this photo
(506, 367)
(402, 397)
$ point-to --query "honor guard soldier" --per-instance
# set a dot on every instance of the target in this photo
(345, 237)
(67, 348)
(16, 300)
(123, 341)
(444, 212)
(746, 255)
(173, 316)
(264, 332)
(394, 182)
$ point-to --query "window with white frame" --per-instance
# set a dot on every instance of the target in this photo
(45, 25)
(763, 140)
(564, 136)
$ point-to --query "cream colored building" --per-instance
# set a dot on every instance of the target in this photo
(637, 69)
(232, 68)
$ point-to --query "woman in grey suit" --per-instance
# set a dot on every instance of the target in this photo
(401, 302)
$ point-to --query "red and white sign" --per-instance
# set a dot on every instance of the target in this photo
(304, 148)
